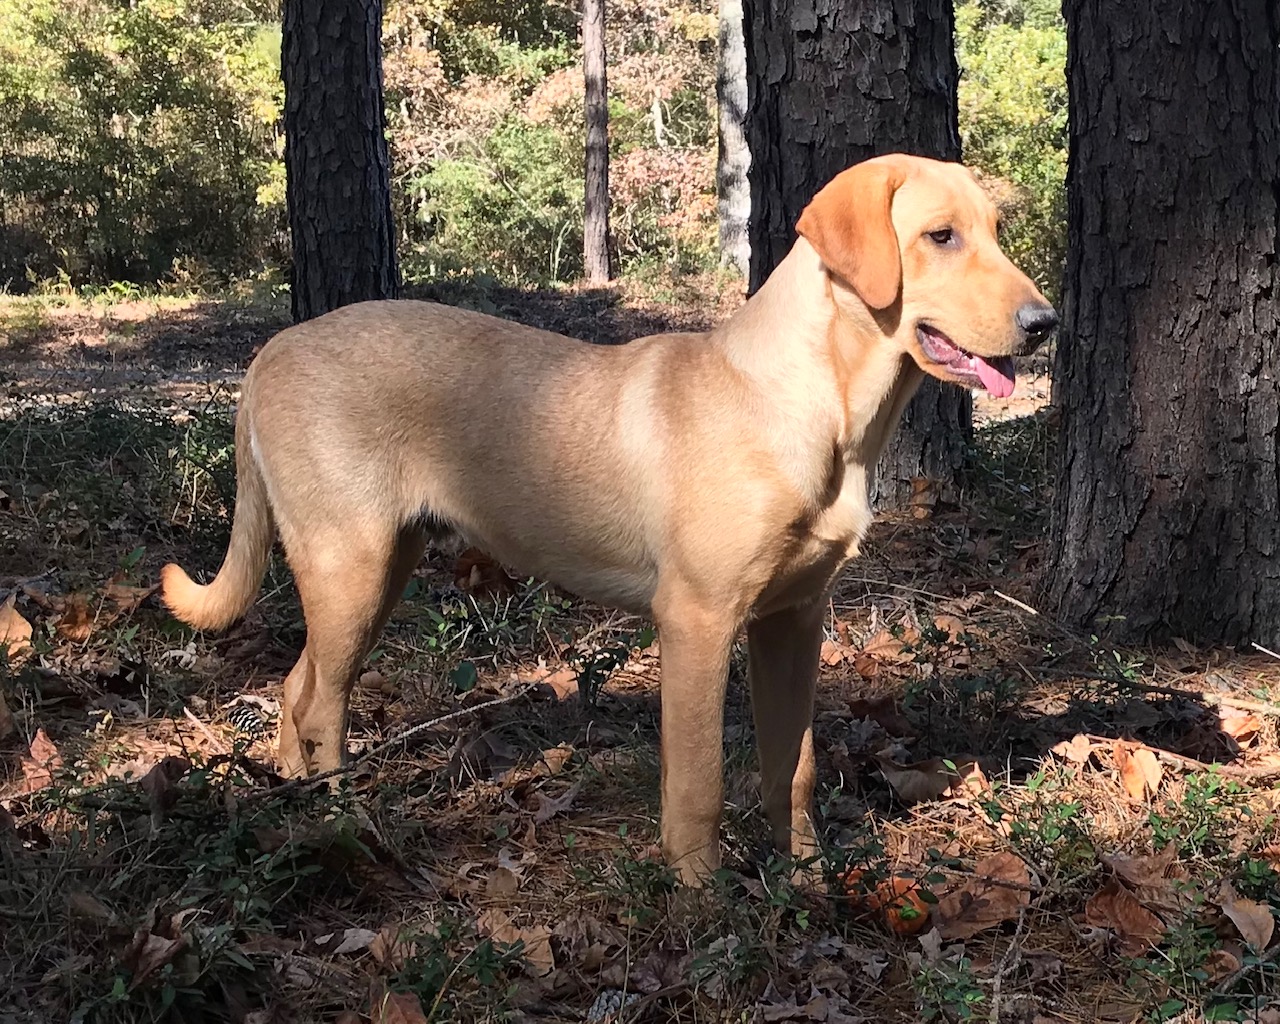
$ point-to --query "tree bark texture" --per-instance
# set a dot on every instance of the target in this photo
(831, 83)
(595, 227)
(336, 161)
(1166, 516)
(733, 158)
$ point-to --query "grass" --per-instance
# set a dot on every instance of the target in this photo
(502, 867)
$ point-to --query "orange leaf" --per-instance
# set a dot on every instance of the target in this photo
(1116, 908)
(40, 764)
(1140, 772)
(998, 890)
(1077, 750)
(536, 941)
(76, 621)
(15, 631)
(1239, 725)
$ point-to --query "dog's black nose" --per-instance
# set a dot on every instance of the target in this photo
(1037, 322)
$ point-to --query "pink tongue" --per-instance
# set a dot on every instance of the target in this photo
(996, 376)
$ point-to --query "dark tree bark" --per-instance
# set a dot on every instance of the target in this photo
(733, 158)
(336, 162)
(595, 226)
(1166, 516)
(831, 84)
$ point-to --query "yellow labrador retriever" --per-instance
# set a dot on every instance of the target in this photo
(709, 480)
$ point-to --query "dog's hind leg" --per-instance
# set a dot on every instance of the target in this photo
(349, 586)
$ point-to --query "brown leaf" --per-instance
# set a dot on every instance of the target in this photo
(148, 952)
(833, 653)
(15, 631)
(1143, 871)
(951, 624)
(1077, 750)
(127, 598)
(554, 759)
(932, 779)
(887, 647)
(884, 712)
(1239, 725)
(1140, 772)
(76, 621)
(1221, 964)
(84, 906)
(477, 573)
(502, 882)
(1252, 920)
(391, 948)
(563, 682)
(161, 784)
(549, 807)
(1116, 908)
(348, 1017)
(997, 892)
(536, 941)
(396, 1008)
(41, 763)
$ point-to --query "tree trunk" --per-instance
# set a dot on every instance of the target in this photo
(1166, 511)
(336, 162)
(733, 158)
(595, 226)
(831, 84)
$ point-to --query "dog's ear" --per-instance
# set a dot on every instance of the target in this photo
(848, 223)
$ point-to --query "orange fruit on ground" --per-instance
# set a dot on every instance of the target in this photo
(896, 901)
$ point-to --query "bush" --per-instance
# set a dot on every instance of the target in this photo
(139, 139)
(1013, 122)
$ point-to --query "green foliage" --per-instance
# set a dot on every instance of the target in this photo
(139, 140)
(1013, 121)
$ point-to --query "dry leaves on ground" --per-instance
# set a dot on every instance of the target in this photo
(535, 941)
(998, 891)
(1139, 769)
(1252, 920)
(933, 779)
(1115, 908)
(40, 764)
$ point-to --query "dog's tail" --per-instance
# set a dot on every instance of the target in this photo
(228, 597)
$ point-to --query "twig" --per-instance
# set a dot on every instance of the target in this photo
(1193, 763)
(386, 745)
(1005, 968)
(1265, 650)
(1016, 603)
(209, 734)
(1232, 979)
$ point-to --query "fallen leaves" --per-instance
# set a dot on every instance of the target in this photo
(40, 764)
(1140, 771)
(932, 779)
(535, 942)
(897, 901)
(15, 631)
(1253, 920)
(998, 891)
(1115, 908)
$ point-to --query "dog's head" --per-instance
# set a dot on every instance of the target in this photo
(914, 241)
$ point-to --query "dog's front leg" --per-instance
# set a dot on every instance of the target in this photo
(694, 650)
(783, 650)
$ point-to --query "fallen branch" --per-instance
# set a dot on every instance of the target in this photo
(1233, 979)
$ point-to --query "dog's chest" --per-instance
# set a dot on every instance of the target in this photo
(819, 548)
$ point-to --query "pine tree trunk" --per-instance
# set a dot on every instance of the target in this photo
(831, 84)
(595, 227)
(1166, 516)
(336, 162)
(733, 157)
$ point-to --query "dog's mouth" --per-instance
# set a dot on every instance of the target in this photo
(996, 374)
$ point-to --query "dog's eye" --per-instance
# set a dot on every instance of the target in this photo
(945, 236)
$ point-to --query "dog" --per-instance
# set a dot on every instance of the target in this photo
(710, 481)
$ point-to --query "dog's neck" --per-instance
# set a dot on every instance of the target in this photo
(793, 332)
